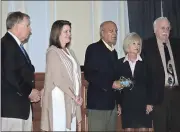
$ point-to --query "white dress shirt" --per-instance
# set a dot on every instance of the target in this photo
(132, 64)
(17, 40)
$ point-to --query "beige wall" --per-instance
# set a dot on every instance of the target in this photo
(4, 12)
(84, 30)
(79, 14)
(85, 16)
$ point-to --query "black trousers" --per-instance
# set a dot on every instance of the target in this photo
(166, 116)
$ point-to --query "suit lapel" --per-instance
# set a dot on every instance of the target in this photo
(26, 56)
(156, 55)
(138, 68)
(128, 69)
(19, 49)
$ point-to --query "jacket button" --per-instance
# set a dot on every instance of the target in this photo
(19, 94)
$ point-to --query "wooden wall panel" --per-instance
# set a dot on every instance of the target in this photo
(39, 84)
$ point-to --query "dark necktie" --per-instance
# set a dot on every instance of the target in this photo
(24, 52)
(166, 52)
(170, 71)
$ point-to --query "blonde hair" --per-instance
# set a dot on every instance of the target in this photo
(130, 39)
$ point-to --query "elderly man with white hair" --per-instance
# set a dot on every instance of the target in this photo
(162, 54)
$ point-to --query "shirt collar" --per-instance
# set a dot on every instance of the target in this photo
(107, 46)
(127, 59)
(17, 40)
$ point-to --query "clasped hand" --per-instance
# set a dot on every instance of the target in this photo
(78, 100)
(149, 108)
(35, 96)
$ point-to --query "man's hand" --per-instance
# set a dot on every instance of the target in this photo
(35, 95)
(149, 108)
(116, 84)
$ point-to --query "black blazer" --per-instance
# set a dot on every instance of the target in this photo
(99, 71)
(139, 92)
(156, 75)
(17, 80)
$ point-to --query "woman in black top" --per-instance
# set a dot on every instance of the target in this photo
(136, 112)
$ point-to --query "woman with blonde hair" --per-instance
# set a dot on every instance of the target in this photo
(133, 100)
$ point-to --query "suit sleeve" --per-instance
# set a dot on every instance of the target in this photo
(149, 77)
(10, 68)
(54, 69)
(95, 72)
(119, 94)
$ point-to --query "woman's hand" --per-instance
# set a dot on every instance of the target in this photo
(149, 108)
(119, 110)
(78, 100)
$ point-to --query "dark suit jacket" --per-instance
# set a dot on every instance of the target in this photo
(138, 96)
(156, 75)
(100, 73)
(17, 80)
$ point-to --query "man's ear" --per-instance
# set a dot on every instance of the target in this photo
(102, 33)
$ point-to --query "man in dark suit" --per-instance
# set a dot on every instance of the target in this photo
(162, 57)
(99, 71)
(17, 75)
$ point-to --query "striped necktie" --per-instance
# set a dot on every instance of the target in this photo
(24, 52)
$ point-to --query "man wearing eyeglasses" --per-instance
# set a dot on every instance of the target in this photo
(162, 55)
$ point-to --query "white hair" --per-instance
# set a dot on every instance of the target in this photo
(160, 18)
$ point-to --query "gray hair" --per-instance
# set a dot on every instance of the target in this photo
(15, 18)
(130, 39)
(160, 18)
(102, 26)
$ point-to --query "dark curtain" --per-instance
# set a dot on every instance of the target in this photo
(171, 10)
(142, 14)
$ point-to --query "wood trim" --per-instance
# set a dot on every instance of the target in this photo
(39, 84)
